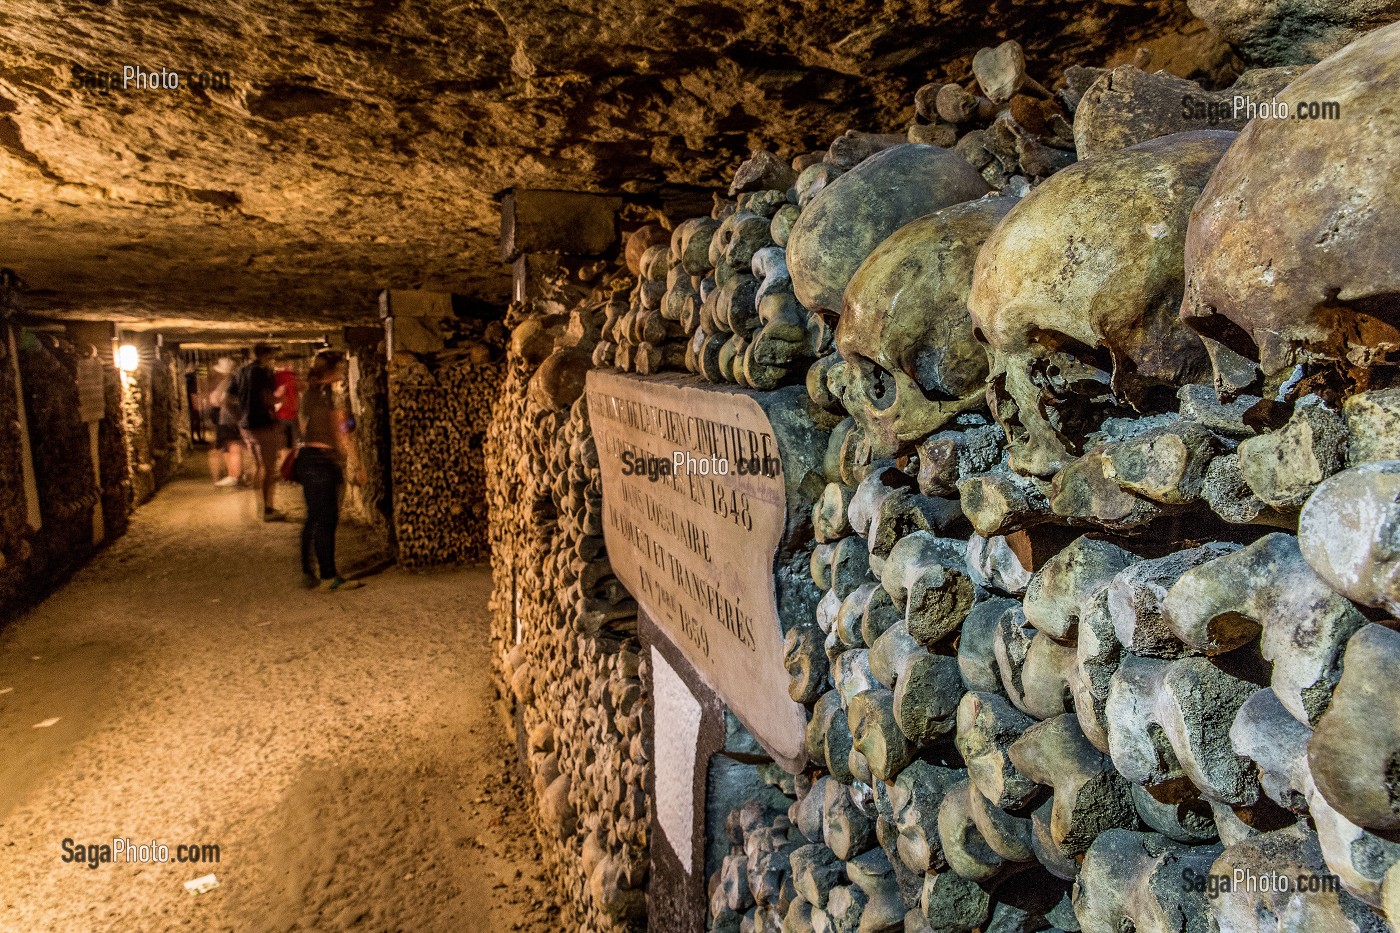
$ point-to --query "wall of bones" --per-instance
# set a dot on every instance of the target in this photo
(569, 663)
(438, 418)
(67, 487)
(155, 421)
(1103, 547)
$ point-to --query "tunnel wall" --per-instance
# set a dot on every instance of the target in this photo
(69, 496)
(1078, 650)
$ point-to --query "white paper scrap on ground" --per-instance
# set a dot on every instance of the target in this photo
(201, 885)
(47, 722)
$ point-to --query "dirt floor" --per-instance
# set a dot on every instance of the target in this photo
(339, 749)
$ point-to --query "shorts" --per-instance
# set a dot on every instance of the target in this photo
(290, 432)
(265, 443)
(226, 434)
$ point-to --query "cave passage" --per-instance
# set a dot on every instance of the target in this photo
(341, 750)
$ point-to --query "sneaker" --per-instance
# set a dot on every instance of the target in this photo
(340, 583)
(272, 515)
(310, 581)
(227, 481)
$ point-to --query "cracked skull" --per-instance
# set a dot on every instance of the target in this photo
(1294, 262)
(909, 361)
(1077, 294)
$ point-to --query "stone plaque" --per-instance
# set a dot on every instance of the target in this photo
(92, 391)
(707, 496)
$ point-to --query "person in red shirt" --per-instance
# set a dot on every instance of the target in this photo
(288, 393)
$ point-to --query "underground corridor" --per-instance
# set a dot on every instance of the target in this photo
(345, 758)
(586, 466)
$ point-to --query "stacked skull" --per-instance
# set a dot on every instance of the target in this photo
(1107, 546)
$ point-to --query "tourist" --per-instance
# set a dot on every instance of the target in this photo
(288, 394)
(195, 403)
(323, 462)
(226, 456)
(262, 433)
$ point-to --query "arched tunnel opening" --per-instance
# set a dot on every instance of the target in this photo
(605, 468)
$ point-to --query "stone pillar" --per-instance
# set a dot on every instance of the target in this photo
(570, 223)
(368, 392)
(413, 319)
(548, 234)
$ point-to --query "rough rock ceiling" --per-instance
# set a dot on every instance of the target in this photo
(361, 143)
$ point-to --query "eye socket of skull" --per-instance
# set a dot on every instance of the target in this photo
(931, 368)
(1223, 331)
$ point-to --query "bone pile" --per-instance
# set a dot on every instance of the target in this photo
(1109, 638)
(60, 445)
(715, 296)
(136, 428)
(171, 432)
(569, 664)
(439, 417)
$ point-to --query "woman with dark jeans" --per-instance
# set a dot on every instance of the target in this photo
(321, 469)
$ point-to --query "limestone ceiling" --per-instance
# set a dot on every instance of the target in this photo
(362, 143)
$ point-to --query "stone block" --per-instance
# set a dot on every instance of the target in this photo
(571, 223)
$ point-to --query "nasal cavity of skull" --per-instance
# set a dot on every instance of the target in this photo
(1005, 410)
(1062, 365)
(876, 384)
(1075, 383)
(1215, 326)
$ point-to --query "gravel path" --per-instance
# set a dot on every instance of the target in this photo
(340, 749)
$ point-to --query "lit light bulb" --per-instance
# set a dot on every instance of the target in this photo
(128, 358)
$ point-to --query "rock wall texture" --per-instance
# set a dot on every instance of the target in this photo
(319, 152)
(1107, 533)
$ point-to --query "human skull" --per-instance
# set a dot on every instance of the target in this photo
(1293, 261)
(1077, 291)
(909, 359)
(852, 215)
